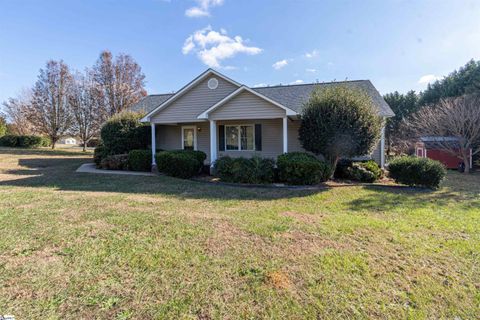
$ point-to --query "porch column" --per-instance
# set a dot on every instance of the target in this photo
(154, 147)
(382, 148)
(213, 142)
(285, 134)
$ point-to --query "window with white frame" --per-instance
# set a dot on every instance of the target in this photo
(240, 137)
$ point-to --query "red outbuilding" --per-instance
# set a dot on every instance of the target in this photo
(434, 148)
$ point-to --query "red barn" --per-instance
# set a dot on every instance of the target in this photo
(431, 147)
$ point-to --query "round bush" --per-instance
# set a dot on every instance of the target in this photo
(367, 171)
(255, 170)
(415, 171)
(115, 162)
(124, 132)
(140, 160)
(301, 168)
(180, 164)
(99, 153)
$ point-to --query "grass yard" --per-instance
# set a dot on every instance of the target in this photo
(83, 246)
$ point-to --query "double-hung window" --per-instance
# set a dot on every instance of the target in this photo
(240, 137)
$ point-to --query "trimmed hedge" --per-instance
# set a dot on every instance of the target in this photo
(180, 163)
(99, 153)
(22, 141)
(365, 171)
(301, 168)
(255, 170)
(115, 162)
(140, 160)
(414, 171)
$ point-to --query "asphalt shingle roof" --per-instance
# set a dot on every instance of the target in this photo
(291, 96)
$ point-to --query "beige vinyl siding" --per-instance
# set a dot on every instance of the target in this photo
(196, 100)
(272, 145)
(377, 154)
(169, 137)
(245, 106)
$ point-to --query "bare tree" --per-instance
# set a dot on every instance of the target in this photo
(85, 107)
(457, 118)
(16, 110)
(121, 82)
(49, 110)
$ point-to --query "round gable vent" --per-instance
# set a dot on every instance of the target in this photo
(213, 83)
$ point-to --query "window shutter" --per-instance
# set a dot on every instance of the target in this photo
(221, 137)
(258, 137)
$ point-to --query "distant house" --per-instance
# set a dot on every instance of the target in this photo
(68, 140)
(220, 117)
(434, 148)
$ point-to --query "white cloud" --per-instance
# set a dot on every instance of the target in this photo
(297, 82)
(280, 64)
(203, 8)
(260, 85)
(311, 70)
(212, 46)
(311, 54)
(428, 78)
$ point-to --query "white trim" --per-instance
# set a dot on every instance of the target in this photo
(154, 144)
(239, 136)
(194, 136)
(213, 142)
(382, 148)
(285, 134)
(204, 115)
(187, 87)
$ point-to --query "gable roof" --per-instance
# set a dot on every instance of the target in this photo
(189, 85)
(289, 97)
(204, 115)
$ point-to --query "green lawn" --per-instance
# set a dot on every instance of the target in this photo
(83, 246)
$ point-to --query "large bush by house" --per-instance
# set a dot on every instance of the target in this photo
(414, 171)
(255, 170)
(140, 160)
(365, 171)
(124, 132)
(339, 122)
(115, 162)
(301, 168)
(180, 164)
(24, 141)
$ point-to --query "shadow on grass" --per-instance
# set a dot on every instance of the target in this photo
(60, 173)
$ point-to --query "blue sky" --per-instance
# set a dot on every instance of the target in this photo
(397, 44)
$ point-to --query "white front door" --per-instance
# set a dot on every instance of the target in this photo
(189, 138)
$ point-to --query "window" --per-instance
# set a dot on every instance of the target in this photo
(240, 138)
(189, 137)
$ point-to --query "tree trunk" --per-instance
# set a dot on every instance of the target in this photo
(84, 146)
(332, 162)
(466, 161)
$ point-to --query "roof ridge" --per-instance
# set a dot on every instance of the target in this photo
(308, 84)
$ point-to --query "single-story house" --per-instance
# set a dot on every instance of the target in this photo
(68, 140)
(435, 148)
(220, 117)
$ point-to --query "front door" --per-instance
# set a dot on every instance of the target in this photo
(189, 138)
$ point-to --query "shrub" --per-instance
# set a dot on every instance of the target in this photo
(415, 171)
(367, 171)
(99, 153)
(45, 142)
(140, 160)
(255, 170)
(115, 162)
(301, 168)
(93, 143)
(124, 132)
(21, 141)
(180, 164)
(199, 155)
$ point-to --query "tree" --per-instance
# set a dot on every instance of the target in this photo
(120, 82)
(85, 108)
(16, 110)
(458, 118)
(339, 122)
(3, 126)
(49, 110)
(402, 105)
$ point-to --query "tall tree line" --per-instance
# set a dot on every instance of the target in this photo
(65, 102)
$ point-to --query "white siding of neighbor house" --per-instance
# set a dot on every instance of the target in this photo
(246, 105)
(377, 153)
(196, 100)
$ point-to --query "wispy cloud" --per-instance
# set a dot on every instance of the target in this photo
(202, 9)
(280, 64)
(260, 85)
(428, 78)
(311, 70)
(297, 82)
(311, 54)
(212, 47)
